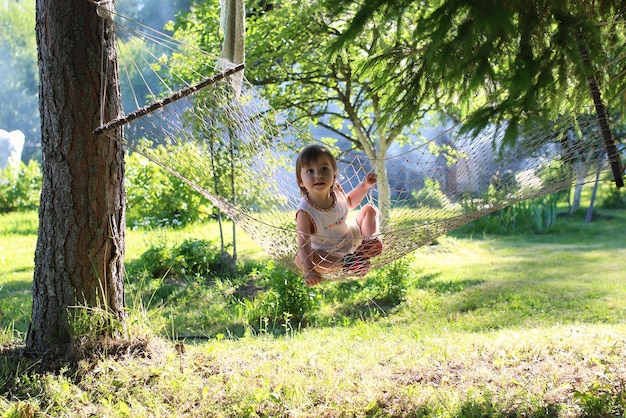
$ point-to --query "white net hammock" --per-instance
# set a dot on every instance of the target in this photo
(203, 129)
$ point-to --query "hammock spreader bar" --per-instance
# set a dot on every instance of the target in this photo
(117, 122)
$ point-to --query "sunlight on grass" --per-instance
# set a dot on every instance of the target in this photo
(517, 324)
(138, 241)
(368, 367)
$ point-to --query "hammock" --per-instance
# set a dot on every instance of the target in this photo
(202, 129)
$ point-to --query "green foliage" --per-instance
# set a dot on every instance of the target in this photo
(288, 302)
(157, 198)
(603, 399)
(193, 258)
(388, 285)
(529, 216)
(431, 195)
(526, 51)
(381, 290)
(613, 198)
(20, 190)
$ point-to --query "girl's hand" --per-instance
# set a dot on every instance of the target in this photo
(312, 278)
(370, 179)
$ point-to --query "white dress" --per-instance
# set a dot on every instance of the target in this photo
(335, 233)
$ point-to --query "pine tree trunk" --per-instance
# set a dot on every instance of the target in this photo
(80, 246)
(601, 115)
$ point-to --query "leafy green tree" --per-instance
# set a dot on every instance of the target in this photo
(286, 57)
(511, 60)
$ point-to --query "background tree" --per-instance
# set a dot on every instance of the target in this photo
(80, 245)
(286, 57)
(513, 61)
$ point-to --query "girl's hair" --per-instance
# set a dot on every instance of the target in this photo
(309, 155)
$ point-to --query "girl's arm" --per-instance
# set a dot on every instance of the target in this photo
(358, 193)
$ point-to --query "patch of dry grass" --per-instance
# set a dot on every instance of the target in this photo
(352, 372)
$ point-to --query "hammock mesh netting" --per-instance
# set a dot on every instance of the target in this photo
(205, 129)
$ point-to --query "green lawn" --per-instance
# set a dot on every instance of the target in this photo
(491, 326)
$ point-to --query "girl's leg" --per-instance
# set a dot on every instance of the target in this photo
(367, 218)
(372, 245)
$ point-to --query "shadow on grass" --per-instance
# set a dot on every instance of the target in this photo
(15, 305)
(430, 282)
(19, 223)
(16, 286)
(527, 303)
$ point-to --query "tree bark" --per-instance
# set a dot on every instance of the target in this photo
(80, 245)
(601, 115)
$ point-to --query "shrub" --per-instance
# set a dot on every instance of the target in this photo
(535, 216)
(20, 190)
(431, 195)
(192, 259)
(157, 198)
(388, 284)
(288, 302)
(383, 288)
(614, 198)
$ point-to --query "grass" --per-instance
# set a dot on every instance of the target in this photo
(491, 326)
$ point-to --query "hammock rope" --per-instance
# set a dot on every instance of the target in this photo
(442, 181)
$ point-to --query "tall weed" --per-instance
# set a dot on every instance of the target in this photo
(529, 216)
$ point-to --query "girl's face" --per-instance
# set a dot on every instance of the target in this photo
(319, 176)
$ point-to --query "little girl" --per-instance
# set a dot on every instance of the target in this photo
(327, 239)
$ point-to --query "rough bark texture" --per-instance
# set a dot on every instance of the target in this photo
(80, 247)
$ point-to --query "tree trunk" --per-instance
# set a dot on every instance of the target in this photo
(384, 191)
(80, 246)
(601, 116)
(589, 216)
(578, 188)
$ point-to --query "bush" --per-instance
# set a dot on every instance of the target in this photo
(529, 216)
(614, 198)
(287, 303)
(431, 195)
(382, 289)
(20, 190)
(192, 259)
(156, 198)
(388, 284)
